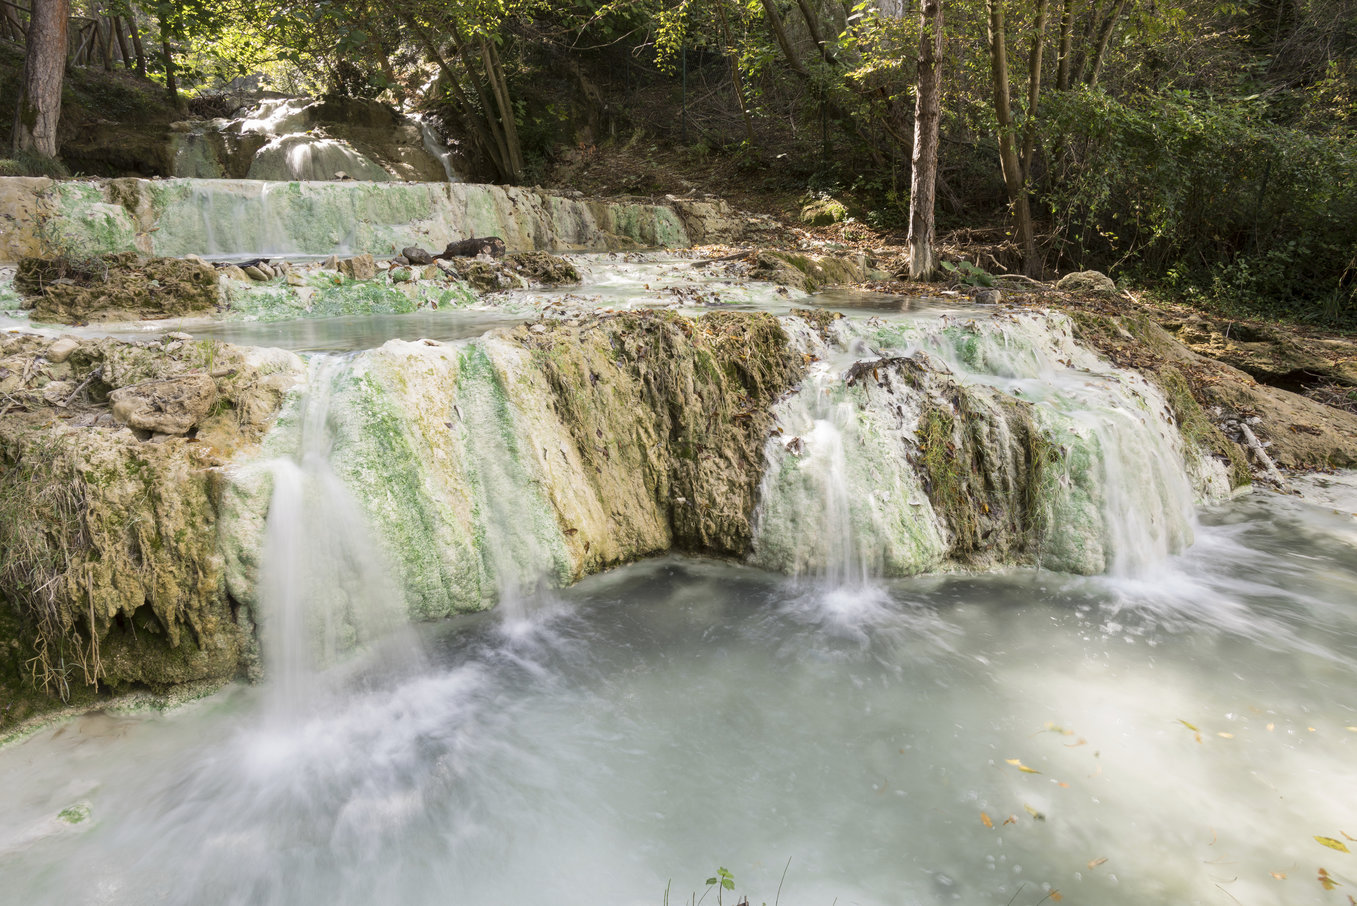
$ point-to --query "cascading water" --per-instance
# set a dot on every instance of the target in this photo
(324, 589)
(1004, 738)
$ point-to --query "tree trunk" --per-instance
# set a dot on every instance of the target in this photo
(171, 84)
(779, 31)
(1103, 39)
(1029, 132)
(136, 43)
(105, 26)
(500, 88)
(1062, 74)
(927, 112)
(123, 49)
(813, 26)
(39, 107)
(1014, 179)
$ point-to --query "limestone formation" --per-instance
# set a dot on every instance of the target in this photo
(169, 406)
(122, 287)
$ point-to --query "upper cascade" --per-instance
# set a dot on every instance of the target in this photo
(285, 138)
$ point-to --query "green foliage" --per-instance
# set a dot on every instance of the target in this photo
(1209, 198)
(967, 274)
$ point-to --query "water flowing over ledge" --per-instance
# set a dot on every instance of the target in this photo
(242, 218)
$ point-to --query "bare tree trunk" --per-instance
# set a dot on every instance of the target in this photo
(167, 55)
(123, 50)
(13, 27)
(1014, 178)
(927, 113)
(1029, 136)
(779, 31)
(1104, 38)
(1062, 74)
(502, 161)
(813, 26)
(136, 43)
(39, 107)
(500, 87)
(105, 26)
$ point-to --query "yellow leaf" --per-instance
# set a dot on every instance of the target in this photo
(1056, 896)
(1033, 812)
(1022, 767)
(1063, 785)
(1331, 843)
(1188, 725)
(985, 820)
(1279, 875)
(1094, 863)
(1327, 882)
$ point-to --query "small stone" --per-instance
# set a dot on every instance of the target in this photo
(295, 279)
(254, 273)
(268, 270)
(232, 272)
(61, 350)
(400, 261)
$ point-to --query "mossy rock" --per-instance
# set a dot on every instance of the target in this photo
(121, 287)
(823, 212)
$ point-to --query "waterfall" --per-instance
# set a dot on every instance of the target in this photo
(917, 442)
(324, 588)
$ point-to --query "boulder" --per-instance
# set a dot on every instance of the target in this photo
(413, 254)
(169, 406)
(823, 212)
(474, 248)
(1086, 282)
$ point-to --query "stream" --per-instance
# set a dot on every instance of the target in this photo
(1179, 727)
(981, 739)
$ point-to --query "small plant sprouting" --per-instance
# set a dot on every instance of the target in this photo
(723, 881)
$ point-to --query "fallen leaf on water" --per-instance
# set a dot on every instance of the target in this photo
(1022, 767)
(1270, 727)
(1327, 882)
(1350, 837)
(1353, 729)
(1033, 812)
(1279, 875)
(985, 820)
(1063, 785)
(1056, 896)
(1188, 725)
(1055, 728)
(1011, 819)
(1094, 863)
(1331, 843)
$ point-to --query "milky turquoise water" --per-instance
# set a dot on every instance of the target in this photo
(1191, 727)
